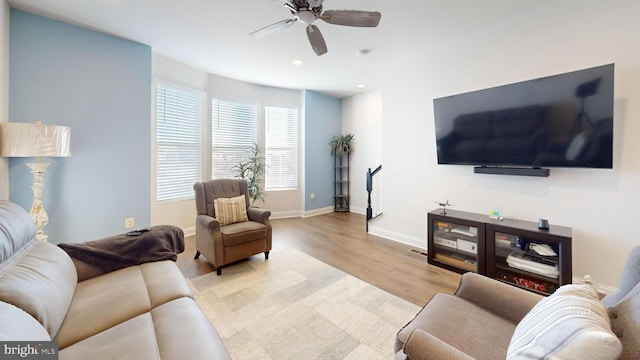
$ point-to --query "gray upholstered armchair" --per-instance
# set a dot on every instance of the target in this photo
(484, 317)
(227, 229)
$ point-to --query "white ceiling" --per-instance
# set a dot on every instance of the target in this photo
(212, 35)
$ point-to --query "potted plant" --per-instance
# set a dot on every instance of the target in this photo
(341, 144)
(252, 170)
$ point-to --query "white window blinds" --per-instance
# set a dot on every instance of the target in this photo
(233, 132)
(281, 148)
(179, 142)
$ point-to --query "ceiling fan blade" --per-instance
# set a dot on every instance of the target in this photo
(316, 40)
(286, 3)
(272, 28)
(352, 17)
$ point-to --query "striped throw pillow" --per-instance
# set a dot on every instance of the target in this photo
(230, 210)
(570, 324)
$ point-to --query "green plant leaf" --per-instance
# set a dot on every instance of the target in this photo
(252, 170)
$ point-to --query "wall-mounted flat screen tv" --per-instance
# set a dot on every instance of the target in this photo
(562, 120)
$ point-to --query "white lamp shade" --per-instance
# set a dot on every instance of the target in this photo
(34, 140)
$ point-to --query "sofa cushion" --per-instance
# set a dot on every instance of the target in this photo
(41, 281)
(175, 330)
(243, 232)
(230, 210)
(177, 337)
(16, 229)
(131, 339)
(570, 324)
(462, 325)
(17, 325)
(113, 298)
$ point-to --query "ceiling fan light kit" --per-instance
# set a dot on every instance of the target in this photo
(305, 17)
(308, 11)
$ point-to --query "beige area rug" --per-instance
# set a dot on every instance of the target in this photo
(293, 306)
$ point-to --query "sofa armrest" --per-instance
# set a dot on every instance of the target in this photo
(422, 346)
(497, 297)
(208, 222)
(258, 214)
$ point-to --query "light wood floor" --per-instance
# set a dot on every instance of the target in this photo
(340, 240)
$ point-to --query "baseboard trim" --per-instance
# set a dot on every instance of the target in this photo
(285, 214)
(309, 213)
(316, 212)
(398, 237)
(191, 230)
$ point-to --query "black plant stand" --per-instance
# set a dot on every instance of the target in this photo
(341, 182)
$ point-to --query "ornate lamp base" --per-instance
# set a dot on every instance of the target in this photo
(38, 214)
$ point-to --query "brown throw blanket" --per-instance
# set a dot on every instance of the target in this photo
(163, 242)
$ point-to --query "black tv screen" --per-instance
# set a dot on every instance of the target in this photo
(562, 120)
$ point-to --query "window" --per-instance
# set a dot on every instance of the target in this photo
(281, 148)
(233, 132)
(179, 142)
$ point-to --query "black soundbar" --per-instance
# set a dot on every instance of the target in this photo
(498, 170)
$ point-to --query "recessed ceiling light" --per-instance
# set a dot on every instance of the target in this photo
(361, 86)
(297, 62)
(362, 53)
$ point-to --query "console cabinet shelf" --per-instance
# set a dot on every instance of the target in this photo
(456, 241)
(508, 250)
(511, 256)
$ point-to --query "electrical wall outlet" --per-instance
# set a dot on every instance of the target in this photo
(129, 223)
(312, 196)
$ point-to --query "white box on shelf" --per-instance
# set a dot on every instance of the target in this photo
(468, 246)
(445, 242)
(470, 231)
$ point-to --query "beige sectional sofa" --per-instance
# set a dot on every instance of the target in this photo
(139, 312)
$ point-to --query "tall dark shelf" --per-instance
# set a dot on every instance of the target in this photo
(341, 182)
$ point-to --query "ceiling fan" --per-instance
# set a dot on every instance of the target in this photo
(308, 11)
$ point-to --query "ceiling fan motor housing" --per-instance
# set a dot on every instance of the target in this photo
(306, 16)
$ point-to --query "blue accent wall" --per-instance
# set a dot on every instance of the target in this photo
(100, 86)
(323, 119)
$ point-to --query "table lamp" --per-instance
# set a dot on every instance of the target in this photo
(35, 140)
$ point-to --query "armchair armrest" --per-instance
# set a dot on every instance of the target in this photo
(208, 222)
(258, 214)
(502, 299)
(423, 346)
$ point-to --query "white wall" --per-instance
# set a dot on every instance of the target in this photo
(4, 91)
(562, 36)
(362, 116)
